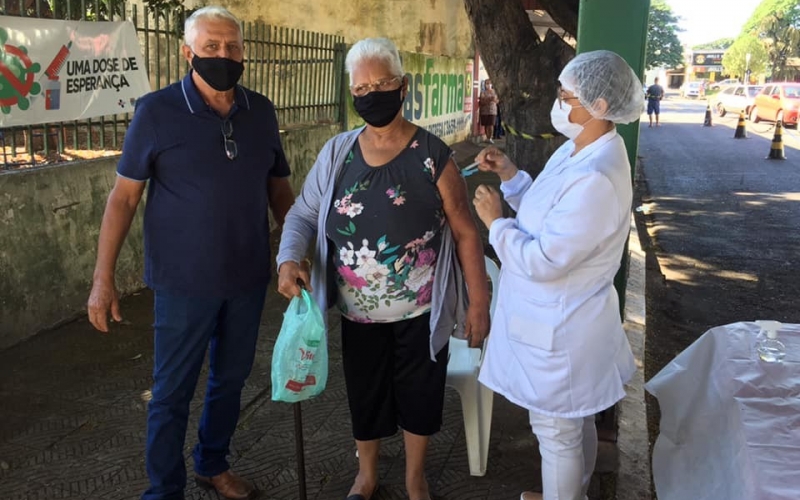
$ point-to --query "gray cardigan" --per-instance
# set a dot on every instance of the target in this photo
(307, 217)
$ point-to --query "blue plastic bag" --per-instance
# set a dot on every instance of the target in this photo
(300, 357)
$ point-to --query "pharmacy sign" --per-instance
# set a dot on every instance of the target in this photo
(52, 71)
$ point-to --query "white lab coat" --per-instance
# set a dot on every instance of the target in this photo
(556, 345)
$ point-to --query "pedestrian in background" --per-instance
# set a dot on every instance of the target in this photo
(487, 104)
(557, 346)
(386, 210)
(210, 153)
(654, 94)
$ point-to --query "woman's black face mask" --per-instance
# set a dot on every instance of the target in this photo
(379, 108)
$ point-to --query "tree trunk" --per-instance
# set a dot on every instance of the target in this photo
(524, 72)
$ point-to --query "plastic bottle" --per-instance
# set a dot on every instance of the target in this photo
(769, 348)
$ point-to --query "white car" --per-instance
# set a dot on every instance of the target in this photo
(724, 83)
(693, 89)
(736, 98)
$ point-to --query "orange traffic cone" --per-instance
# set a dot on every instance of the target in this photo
(741, 130)
(776, 149)
(707, 121)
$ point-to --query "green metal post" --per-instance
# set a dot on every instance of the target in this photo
(620, 26)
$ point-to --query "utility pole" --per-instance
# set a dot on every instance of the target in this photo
(747, 68)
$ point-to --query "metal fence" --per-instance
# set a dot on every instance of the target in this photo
(300, 71)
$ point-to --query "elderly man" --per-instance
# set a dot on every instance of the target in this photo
(211, 152)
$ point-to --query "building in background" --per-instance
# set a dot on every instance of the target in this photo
(705, 65)
(793, 69)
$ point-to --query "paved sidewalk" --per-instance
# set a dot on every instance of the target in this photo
(73, 422)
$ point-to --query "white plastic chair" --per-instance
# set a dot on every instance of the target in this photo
(476, 399)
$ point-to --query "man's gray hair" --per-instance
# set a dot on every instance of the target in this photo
(381, 49)
(211, 12)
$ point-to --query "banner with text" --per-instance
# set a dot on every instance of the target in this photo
(52, 71)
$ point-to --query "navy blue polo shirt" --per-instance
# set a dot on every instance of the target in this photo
(206, 223)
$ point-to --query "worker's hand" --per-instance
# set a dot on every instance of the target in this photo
(293, 277)
(491, 159)
(103, 299)
(488, 204)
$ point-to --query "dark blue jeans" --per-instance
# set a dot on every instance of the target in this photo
(185, 327)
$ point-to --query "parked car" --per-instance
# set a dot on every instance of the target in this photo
(724, 83)
(777, 101)
(693, 89)
(736, 98)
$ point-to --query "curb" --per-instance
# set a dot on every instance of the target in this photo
(633, 475)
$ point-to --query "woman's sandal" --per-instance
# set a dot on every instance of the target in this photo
(359, 496)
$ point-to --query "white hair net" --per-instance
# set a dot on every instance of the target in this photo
(602, 74)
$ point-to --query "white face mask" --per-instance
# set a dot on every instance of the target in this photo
(559, 117)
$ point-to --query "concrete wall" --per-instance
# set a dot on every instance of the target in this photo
(301, 146)
(437, 27)
(49, 224)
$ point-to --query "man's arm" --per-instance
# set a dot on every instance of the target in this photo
(120, 209)
(281, 197)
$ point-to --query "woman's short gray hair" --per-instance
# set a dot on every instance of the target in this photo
(381, 49)
(210, 12)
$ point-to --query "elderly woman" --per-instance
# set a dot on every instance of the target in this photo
(388, 213)
(557, 346)
(487, 104)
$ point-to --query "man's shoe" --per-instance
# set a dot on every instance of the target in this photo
(228, 485)
(529, 495)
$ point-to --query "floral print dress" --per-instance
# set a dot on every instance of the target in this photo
(385, 226)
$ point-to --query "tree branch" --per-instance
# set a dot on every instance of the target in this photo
(564, 13)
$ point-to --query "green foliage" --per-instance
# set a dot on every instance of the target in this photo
(97, 10)
(162, 6)
(29, 8)
(734, 61)
(169, 8)
(663, 46)
(776, 23)
(787, 9)
(104, 10)
(721, 44)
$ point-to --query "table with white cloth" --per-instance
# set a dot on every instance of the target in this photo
(730, 422)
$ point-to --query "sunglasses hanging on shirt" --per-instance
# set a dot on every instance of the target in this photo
(231, 151)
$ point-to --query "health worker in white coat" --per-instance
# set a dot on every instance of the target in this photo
(556, 345)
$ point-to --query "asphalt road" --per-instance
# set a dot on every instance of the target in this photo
(722, 222)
